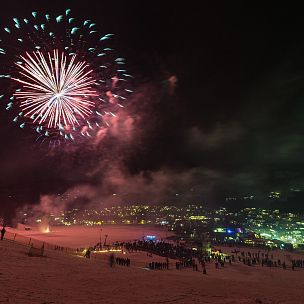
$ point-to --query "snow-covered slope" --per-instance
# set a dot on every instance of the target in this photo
(62, 278)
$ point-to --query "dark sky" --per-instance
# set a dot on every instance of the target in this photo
(232, 125)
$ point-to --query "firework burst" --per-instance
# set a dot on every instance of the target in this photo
(57, 91)
(62, 79)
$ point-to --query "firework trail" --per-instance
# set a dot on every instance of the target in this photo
(61, 77)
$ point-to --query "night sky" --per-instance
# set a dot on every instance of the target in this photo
(232, 124)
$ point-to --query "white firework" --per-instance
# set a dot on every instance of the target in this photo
(56, 91)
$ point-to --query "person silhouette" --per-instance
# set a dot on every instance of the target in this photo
(2, 232)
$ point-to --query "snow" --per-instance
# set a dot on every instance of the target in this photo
(62, 278)
(85, 236)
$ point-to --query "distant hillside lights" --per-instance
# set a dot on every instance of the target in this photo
(275, 195)
(241, 198)
(195, 220)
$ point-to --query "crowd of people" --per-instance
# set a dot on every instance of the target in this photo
(187, 257)
(164, 249)
(123, 261)
(60, 248)
(266, 259)
(158, 265)
(186, 263)
(297, 263)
